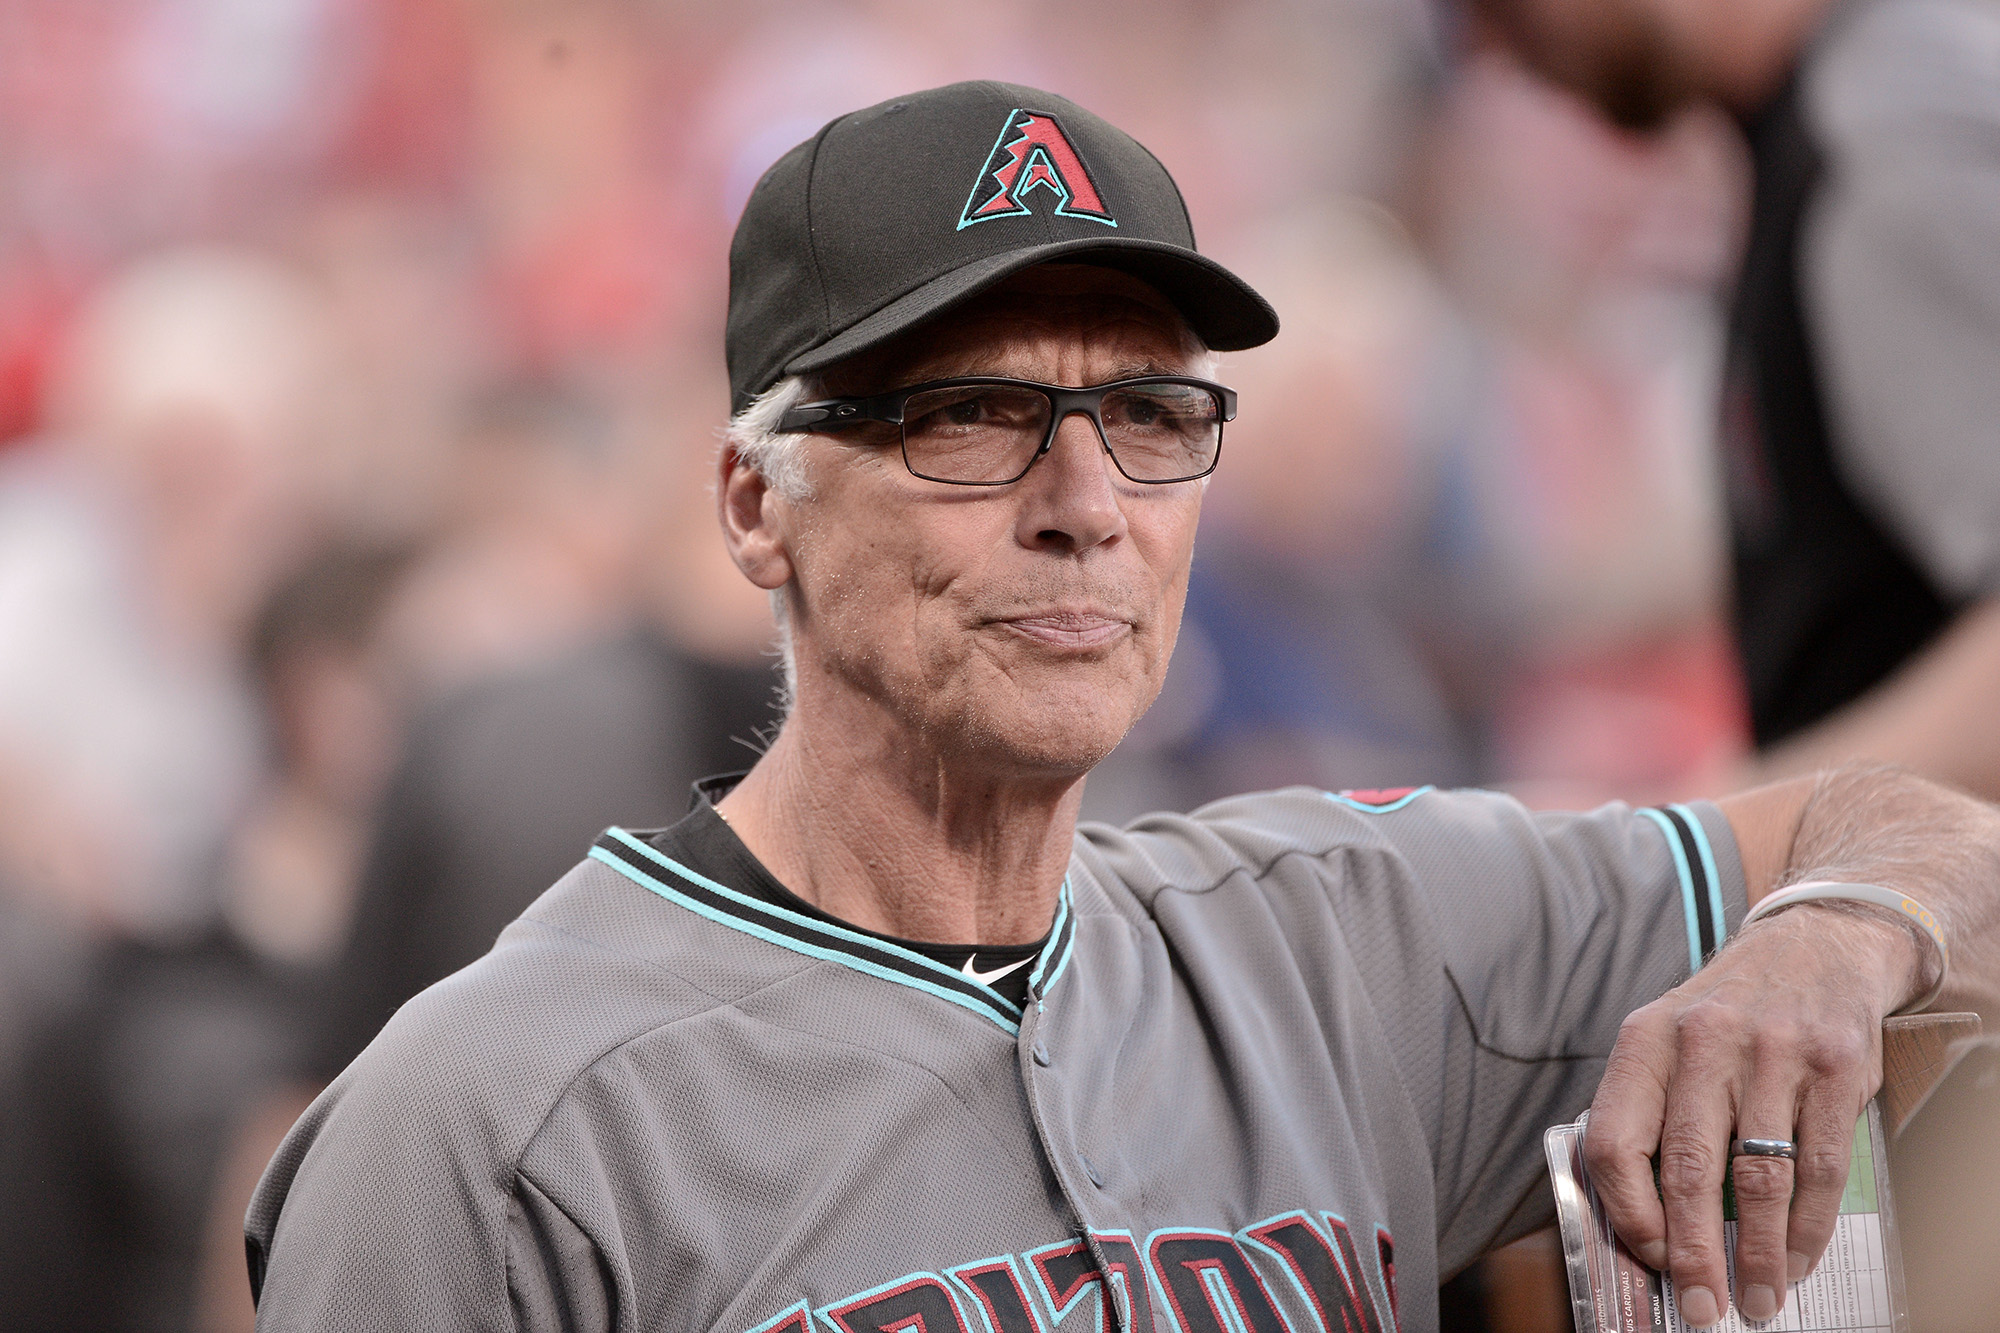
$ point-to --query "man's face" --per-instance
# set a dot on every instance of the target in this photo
(1624, 56)
(1022, 627)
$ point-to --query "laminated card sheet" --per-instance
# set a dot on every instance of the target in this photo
(1858, 1284)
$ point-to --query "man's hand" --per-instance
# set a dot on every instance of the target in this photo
(1779, 1037)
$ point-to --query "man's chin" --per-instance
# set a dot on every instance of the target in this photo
(1058, 736)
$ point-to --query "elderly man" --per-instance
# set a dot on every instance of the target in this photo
(877, 1039)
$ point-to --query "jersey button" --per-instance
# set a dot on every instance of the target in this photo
(1090, 1171)
(1041, 1054)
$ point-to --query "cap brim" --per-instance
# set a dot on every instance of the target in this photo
(1222, 309)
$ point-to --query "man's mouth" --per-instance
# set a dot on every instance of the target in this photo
(1069, 629)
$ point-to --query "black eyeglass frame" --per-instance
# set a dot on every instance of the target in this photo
(1064, 402)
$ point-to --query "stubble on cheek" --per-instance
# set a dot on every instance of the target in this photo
(883, 626)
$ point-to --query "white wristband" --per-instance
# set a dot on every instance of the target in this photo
(1823, 890)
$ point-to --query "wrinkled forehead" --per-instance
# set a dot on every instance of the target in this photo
(1118, 324)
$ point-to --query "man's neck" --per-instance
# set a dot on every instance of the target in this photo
(889, 838)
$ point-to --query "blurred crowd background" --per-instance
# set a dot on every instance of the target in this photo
(360, 377)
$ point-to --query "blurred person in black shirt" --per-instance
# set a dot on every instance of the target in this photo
(130, 1063)
(333, 700)
(503, 781)
(1860, 398)
(44, 962)
(575, 712)
(135, 1094)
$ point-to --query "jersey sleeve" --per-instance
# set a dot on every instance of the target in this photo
(405, 1197)
(362, 1221)
(392, 1227)
(1537, 934)
(1901, 287)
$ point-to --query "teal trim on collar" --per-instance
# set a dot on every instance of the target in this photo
(802, 934)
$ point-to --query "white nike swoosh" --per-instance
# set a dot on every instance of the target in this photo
(988, 978)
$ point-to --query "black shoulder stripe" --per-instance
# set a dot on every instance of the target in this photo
(1706, 926)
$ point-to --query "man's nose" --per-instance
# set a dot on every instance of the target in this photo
(1070, 496)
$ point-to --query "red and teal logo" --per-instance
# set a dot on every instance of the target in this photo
(1032, 153)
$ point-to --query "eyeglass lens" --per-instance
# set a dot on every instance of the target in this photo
(991, 433)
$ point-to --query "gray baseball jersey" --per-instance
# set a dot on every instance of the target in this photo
(1282, 1063)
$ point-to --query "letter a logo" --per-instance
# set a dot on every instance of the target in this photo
(1032, 153)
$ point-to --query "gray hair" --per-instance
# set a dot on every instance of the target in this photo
(779, 460)
(753, 434)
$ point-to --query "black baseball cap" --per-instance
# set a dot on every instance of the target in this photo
(890, 216)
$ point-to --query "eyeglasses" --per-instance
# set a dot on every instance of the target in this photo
(983, 431)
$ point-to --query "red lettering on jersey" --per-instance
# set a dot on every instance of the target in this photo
(1128, 1278)
(1385, 1250)
(997, 1286)
(919, 1303)
(1185, 1261)
(798, 1319)
(1338, 1289)
(1213, 1281)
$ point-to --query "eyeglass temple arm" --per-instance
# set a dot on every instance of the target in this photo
(837, 412)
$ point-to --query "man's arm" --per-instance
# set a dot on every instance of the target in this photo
(1938, 714)
(1779, 1036)
(1903, 301)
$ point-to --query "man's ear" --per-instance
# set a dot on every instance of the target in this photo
(755, 522)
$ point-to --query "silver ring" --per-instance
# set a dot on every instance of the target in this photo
(1784, 1148)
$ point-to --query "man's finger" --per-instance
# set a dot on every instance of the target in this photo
(1624, 1132)
(1694, 1147)
(1827, 1111)
(1763, 1189)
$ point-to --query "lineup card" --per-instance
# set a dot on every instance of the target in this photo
(1856, 1288)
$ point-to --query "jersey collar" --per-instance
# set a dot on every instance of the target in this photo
(826, 941)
